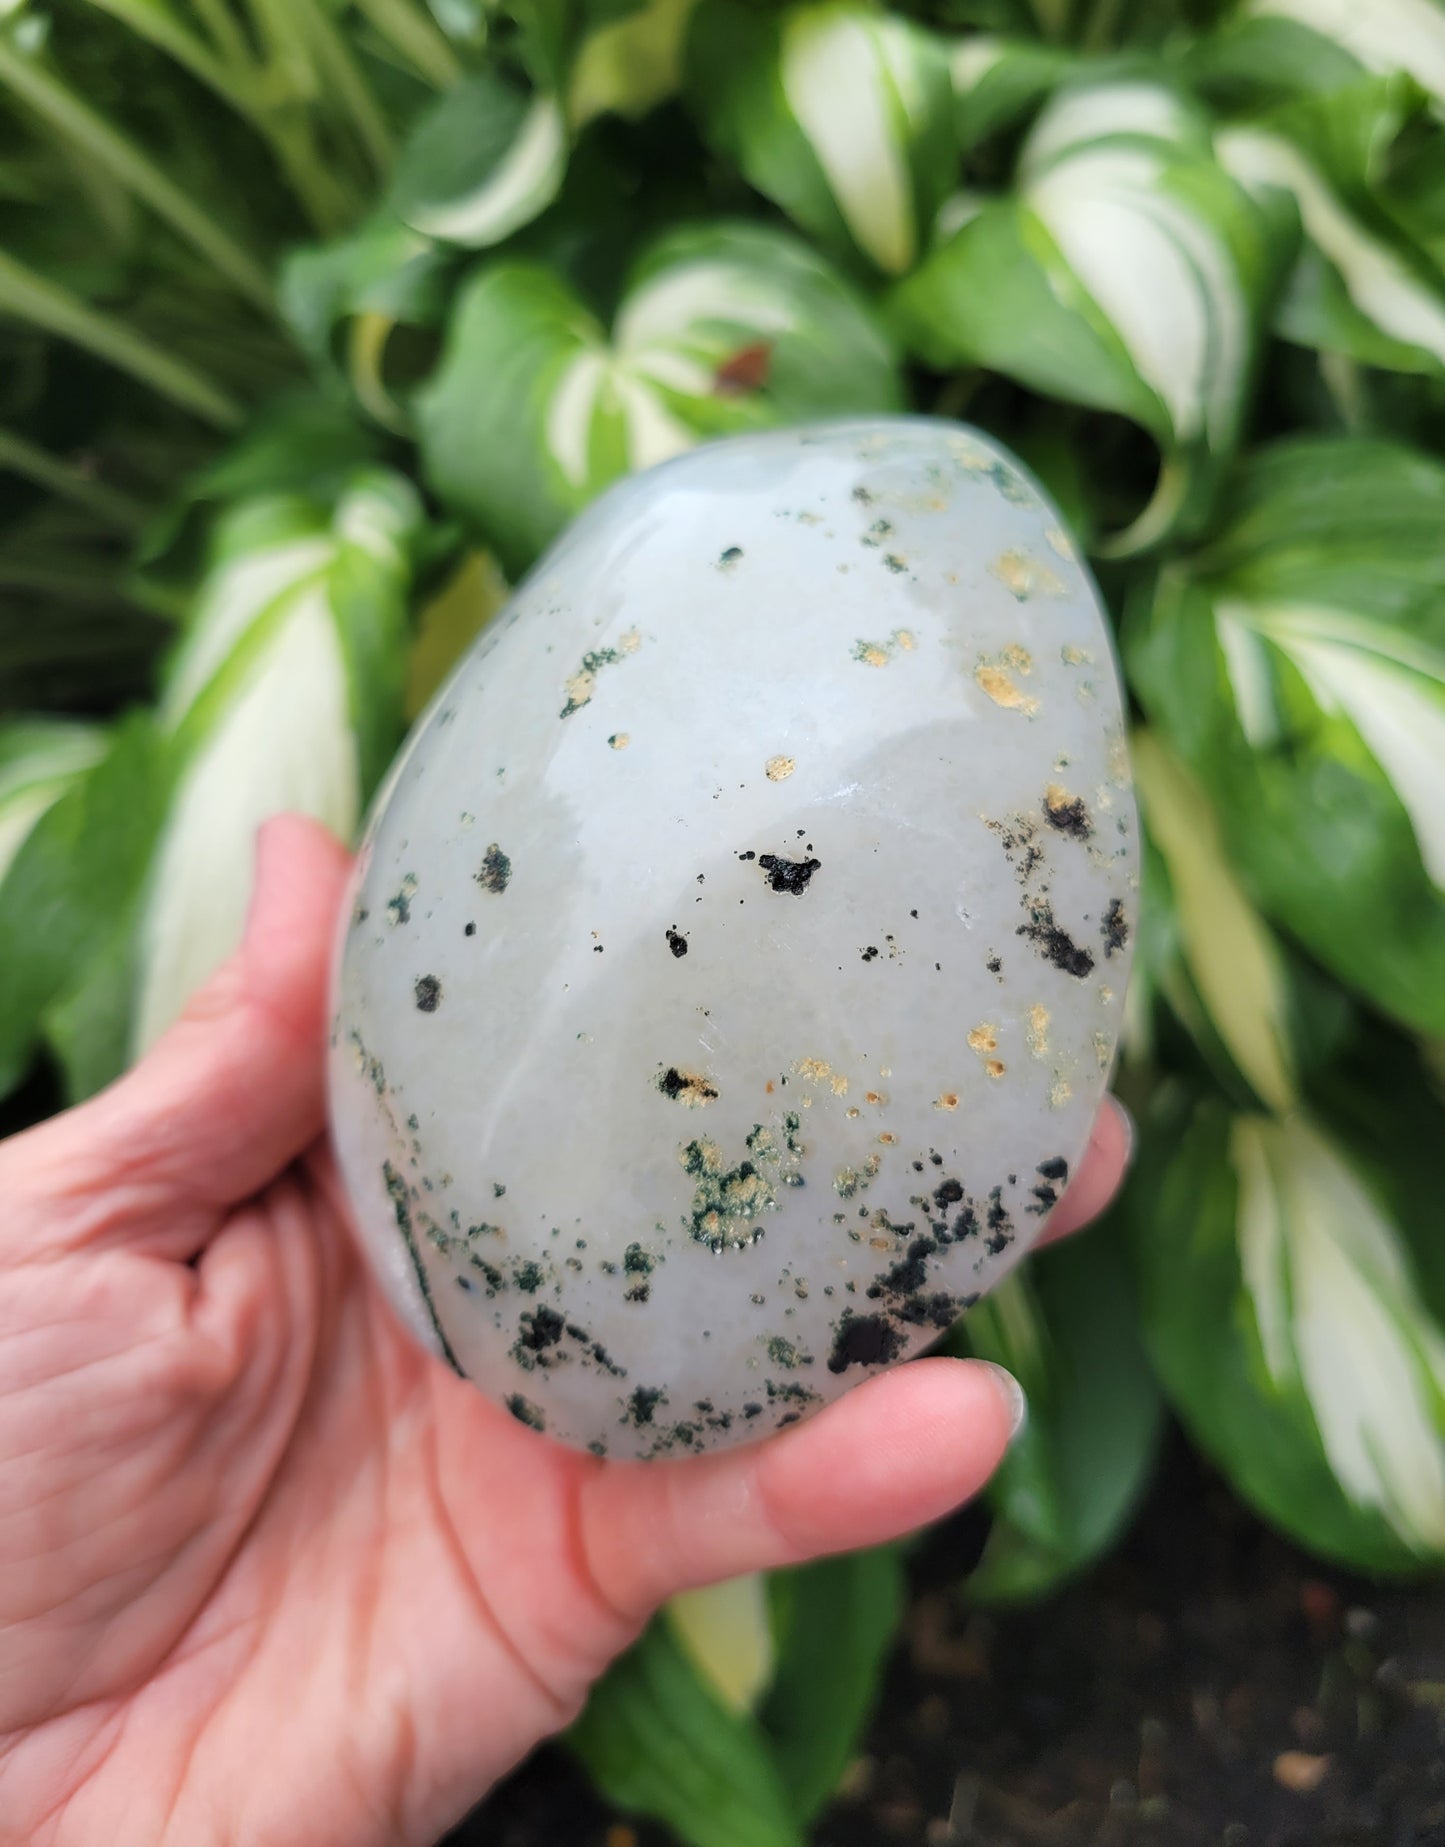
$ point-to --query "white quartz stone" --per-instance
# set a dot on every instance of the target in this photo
(739, 946)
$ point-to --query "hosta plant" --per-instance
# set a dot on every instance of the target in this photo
(318, 322)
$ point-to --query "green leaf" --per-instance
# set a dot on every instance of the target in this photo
(1298, 666)
(1236, 966)
(659, 1742)
(71, 877)
(998, 82)
(835, 1623)
(1384, 36)
(1127, 272)
(533, 410)
(840, 113)
(1067, 1327)
(1285, 1320)
(727, 1634)
(1362, 285)
(485, 160)
(629, 65)
(284, 694)
(39, 760)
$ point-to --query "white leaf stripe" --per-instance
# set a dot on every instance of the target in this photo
(568, 433)
(1231, 954)
(284, 741)
(1382, 287)
(1384, 35)
(513, 193)
(1160, 276)
(1389, 686)
(726, 1631)
(47, 757)
(676, 305)
(1078, 117)
(833, 80)
(1337, 1308)
(235, 596)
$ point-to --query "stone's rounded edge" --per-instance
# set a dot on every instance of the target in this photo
(362, 1170)
(404, 1282)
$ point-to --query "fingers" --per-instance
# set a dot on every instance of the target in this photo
(1100, 1175)
(229, 1096)
(895, 1453)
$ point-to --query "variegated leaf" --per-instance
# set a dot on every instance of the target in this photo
(535, 409)
(1363, 284)
(39, 760)
(1379, 35)
(1236, 970)
(1286, 1316)
(284, 695)
(629, 65)
(486, 160)
(1299, 667)
(1128, 272)
(727, 1633)
(840, 113)
(997, 82)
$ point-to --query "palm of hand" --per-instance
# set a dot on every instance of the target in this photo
(268, 1572)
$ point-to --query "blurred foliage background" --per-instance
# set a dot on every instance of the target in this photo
(320, 318)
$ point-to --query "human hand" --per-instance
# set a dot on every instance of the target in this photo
(268, 1572)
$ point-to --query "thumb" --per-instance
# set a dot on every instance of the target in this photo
(226, 1098)
(895, 1453)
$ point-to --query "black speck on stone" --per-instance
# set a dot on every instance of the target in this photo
(1055, 1168)
(643, 1403)
(730, 557)
(1070, 817)
(470, 930)
(894, 563)
(428, 992)
(870, 954)
(949, 1193)
(1055, 944)
(676, 941)
(863, 1340)
(747, 855)
(1115, 927)
(638, 1262)
(526, 1412)
(540, 1329)
(994, 964)
(790, 875)
(496, 872)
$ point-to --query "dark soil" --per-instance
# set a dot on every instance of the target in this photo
(1207, 1686)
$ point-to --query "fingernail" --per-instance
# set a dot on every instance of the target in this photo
(1128, 1125)
(1013, 1396)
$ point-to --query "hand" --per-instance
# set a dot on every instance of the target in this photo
(268, 1573)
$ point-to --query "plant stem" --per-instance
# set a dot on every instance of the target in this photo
(226, 32)
(334, 58)
(163, 30)
(58, 105)
(48, 471)
(411, 34)
(308, 50)
(32, 297)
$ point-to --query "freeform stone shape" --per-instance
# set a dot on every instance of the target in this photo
(739, 947)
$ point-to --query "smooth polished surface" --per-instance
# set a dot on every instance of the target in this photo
(739, 947)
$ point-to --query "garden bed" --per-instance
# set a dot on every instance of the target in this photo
(1208, 1685)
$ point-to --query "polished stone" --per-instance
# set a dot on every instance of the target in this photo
(739, 947)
